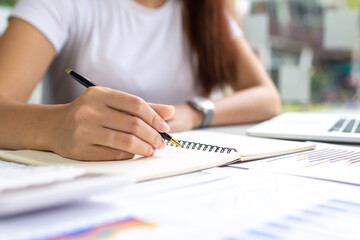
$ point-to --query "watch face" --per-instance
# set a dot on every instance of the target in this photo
(204, 103)
(208, 104)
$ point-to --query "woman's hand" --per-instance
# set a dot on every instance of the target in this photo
(105, 124)
(185, 118)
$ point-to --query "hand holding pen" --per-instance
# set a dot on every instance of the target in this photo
(116, 123)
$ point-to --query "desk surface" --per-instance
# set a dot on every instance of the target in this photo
(234, 129)
(218, 203)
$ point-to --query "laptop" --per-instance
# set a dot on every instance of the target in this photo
(328, 127)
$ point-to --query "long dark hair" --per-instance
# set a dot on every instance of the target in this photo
(208, 30)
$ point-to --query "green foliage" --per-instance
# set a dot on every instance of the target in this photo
(320, 82)
(353, 4)
(297, 107)
(9, 3)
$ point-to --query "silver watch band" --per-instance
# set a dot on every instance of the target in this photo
(208, 116)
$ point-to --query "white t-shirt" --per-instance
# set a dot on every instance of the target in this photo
(118, 44)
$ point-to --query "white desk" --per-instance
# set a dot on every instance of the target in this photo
(235, 129)
(220, 203)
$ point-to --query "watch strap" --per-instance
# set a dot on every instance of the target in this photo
(208, 116)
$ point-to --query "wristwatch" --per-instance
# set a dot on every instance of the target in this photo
(205, 106)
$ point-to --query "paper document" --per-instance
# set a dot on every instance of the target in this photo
(26, 189)
(328, 161)
(249, 205)
(173, 160)
(85, 220)
(252, 205)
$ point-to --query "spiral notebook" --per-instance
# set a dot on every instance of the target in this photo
(199, 150)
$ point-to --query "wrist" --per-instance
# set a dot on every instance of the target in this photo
(45, 127)
(196, 116)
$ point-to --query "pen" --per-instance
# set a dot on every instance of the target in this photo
(88, 83)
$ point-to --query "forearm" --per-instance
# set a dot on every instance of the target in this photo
(26, 126)
(249, 105)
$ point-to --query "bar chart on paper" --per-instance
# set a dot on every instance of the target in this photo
(333, 219)
(335, 164)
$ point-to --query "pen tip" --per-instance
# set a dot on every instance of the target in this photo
(175, 142)
(68, 70)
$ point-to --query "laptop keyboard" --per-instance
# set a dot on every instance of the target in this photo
(346, 126)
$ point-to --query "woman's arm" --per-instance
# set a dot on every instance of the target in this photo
(255, 98)
(25, 54)
(102, 124)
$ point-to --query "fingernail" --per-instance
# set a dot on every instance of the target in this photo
(153, 153)
(164, 127)
(172, 108)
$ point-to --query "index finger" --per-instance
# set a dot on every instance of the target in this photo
(135, 106)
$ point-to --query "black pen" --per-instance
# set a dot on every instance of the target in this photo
(88, 83)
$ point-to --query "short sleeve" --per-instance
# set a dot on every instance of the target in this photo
(51, 17)
(234, 27)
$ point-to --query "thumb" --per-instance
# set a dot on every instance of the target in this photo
(165, 111)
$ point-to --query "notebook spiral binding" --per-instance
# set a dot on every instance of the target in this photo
(201, 146)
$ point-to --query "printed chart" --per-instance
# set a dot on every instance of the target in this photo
(102, 231)
(323, 157)
(335, 164)
(334, 219)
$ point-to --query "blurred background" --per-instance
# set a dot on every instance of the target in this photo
(311, 48)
